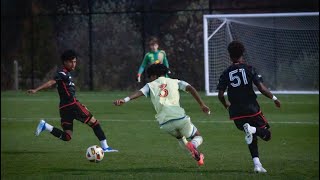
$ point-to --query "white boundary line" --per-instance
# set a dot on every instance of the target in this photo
(285, 92)
(7, 119)
(110, 101)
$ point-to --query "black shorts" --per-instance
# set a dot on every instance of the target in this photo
(238, 110)
(256, 121)
(75, 111)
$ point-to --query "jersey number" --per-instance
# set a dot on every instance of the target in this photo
(164, 92)
(235, 77)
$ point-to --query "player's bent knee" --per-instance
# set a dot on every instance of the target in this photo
(91, 121)
(93, 124)
(267, 137)
(66, 137)
(197, 133)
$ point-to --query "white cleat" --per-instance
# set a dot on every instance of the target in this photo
(41, 127)
(109, 149)
(259, 169)
(247, 130)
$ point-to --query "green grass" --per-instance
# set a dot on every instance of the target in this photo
(148, 153)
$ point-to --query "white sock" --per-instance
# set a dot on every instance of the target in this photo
(104, 144)
(256, 161)
(48, 127)
(184, 139)
(197, 141)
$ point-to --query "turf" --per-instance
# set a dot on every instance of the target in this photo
(148, 153)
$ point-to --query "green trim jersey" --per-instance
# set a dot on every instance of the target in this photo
(165, 97)
(158, 57)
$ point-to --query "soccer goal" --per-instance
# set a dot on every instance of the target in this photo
(284, 47)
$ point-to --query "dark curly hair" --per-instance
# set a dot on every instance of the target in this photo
(153, 40)
(236, 50)
(157, 69)
(68, 55)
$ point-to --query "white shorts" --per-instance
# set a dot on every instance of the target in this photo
(180, 127)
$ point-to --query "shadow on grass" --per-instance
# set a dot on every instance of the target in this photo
(148, 170)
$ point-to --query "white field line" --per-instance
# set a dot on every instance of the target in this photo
(109, 100)
(153, 121)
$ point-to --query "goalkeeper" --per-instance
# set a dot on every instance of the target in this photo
(155, 56)
(165, 96)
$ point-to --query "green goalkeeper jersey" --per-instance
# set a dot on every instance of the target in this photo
(153, 58)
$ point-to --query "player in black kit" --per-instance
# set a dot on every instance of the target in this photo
(243, 107)
(70, 108)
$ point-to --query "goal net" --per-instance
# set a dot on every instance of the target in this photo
(284, 47)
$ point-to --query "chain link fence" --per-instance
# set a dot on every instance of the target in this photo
(110, 38)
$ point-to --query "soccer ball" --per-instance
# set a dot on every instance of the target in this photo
(94, 153)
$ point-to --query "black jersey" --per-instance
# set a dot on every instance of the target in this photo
(65, 86)
(238, 79)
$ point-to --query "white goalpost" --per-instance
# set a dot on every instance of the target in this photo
(284, 47)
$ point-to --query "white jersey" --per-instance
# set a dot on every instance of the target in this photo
(165, 96)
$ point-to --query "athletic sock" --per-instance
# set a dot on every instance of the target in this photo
(256, 161)
(197, 141)
(98, 131)
(60, 134)
(184, 140)
(104, 144)
(253, 147)
(48, 127)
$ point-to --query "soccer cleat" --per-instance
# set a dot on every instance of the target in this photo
(259, 169)
(109, 149)
(41, 127)
(195, 153)
(201, 160)
(248, 136)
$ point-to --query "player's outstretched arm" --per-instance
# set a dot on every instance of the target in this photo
(43, 86)
(263, 89)
(197, 97)
(135, 95)
(141, 68)
(223, 101)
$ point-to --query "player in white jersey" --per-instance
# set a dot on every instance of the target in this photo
(165, 96)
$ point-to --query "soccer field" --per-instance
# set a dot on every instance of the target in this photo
(148, 153)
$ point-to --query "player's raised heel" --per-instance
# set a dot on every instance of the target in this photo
(248, 136)
(41, 127)
(259, 169)
(109, 149)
